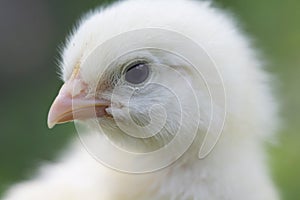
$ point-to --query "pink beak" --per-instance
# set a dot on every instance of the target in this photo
(73, 103)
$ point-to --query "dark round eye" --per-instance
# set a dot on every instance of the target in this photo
(137, 73)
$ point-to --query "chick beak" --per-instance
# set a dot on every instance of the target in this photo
(73, 103)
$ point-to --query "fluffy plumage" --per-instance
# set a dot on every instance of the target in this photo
(234, 170)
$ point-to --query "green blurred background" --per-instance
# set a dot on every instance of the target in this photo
(31, 32)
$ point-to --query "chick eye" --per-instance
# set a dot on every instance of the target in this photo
(137, 73)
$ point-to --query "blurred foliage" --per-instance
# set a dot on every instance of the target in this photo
(31, 32)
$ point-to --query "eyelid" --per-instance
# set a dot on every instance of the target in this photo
(132, 63)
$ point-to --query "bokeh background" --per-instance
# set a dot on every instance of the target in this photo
(31, 32)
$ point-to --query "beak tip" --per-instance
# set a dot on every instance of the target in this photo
(50, 124)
